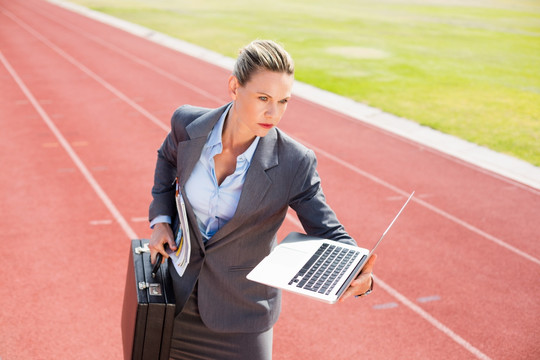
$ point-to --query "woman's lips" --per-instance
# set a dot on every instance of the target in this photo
(267, 126)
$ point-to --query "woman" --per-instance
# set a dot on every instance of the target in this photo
(238, 174)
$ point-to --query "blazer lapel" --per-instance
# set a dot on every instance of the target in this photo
(189, 152)
(255, 186)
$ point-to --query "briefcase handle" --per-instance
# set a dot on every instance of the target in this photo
(159, 258)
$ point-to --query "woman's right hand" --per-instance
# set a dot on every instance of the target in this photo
(161, 234)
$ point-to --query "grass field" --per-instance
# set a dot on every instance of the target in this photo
(467, 68)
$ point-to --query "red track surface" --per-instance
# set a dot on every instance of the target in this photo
(83, 108)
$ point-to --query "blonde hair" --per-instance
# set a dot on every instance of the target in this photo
(262, 55)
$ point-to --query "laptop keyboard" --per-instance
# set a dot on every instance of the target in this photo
(324, 269)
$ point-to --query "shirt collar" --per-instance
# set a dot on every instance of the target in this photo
(215, 145)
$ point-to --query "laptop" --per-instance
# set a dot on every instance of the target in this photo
(319, 268)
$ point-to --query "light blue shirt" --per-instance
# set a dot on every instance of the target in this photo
(214, 205)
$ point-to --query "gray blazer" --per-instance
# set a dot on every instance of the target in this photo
(282, 174)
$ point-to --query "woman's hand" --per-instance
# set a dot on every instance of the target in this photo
(363, 282)
(161, 234)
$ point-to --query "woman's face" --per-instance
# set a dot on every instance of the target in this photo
(261, 102)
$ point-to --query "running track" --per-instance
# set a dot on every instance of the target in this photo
(83, 108)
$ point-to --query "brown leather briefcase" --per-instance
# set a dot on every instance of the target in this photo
(148, 310)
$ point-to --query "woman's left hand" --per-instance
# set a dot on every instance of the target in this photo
(363, 282)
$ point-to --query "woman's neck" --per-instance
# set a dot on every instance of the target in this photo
(235, 138)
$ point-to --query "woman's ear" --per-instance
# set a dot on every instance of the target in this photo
(233, 87)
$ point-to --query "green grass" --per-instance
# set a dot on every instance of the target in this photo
(466, 68)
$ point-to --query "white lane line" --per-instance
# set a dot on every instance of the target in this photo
(426, 299)
(390, 305)
(100, 222)
(87, 71)
(67, 147)
(415, 308)
(134, 58)
(429, 318)
(423, 203)
(332, 157)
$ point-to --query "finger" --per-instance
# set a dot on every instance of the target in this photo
(358, 285)
(160, 236)
(368, 268)
(168, 237)
(348, 293)
(153, 255)
(366, 272)
(357, 289)
(154, 250)
(171, 242)
(361, 280)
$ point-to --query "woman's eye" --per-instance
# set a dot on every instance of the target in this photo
(263, 98)
(284, 101)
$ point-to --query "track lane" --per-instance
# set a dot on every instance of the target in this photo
(56, 291)
(337, 179)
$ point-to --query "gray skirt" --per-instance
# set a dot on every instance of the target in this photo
(193, 340)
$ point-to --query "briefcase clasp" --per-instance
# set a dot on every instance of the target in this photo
(142, 249)
(154, 288)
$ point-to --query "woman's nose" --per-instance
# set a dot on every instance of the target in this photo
(271, 110)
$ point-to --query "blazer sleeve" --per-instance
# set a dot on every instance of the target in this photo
(308, 200)
(163, 191)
